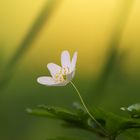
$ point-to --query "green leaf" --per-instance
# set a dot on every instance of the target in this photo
(119, 121)
(133, 133)
(71, 119)
(133, 110)
(53, 112)
(112, 123)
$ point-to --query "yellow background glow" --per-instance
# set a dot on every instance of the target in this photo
(82, 25)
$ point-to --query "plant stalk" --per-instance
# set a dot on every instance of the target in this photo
(83, 103)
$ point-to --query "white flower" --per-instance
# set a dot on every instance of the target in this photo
(61, 75)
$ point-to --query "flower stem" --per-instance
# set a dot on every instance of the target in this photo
(83, 103)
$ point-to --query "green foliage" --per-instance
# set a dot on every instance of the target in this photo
(133, 133)
(112, 123)
(66, 138)
(133, 110)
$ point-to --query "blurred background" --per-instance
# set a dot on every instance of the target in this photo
(106, 34)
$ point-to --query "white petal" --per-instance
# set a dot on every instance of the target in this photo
(54, 69)
(49, 81)
(44, 80)
(64, 83)
(65, 59)
(74, 60)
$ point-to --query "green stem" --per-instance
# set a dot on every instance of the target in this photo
(83, 103)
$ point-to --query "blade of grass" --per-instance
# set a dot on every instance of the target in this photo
(112, 56)
(33, 32)
(28, 40)
(1, 55)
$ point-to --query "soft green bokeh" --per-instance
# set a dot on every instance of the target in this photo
(83, 25)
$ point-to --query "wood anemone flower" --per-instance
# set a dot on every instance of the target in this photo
(60, 75)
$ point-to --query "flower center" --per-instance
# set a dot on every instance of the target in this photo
(61, 75)
(65, 70)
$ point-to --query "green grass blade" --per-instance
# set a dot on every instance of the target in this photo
(112, 57)
(33, 32)
(27, 41)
